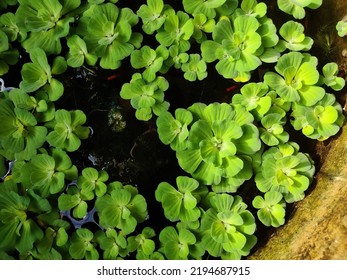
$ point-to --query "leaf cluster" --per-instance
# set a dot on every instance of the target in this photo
(51, 210)
(297, 8)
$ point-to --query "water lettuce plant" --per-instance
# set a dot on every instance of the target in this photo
(76, 200)
(218, 142)
(151, 60)
(320, 121)
(341, 28)
(271, 208)
(113, 244)
(195, 68)
(175, 243)
(78, 53)
(93, 180)
(228, 227)
(286, 170)
(177, 29)
(181, 203)
(67, 129)
(9, 25)
(253, 8)
(273, 133)
(83, 245)
(147, 97)
(46, 23)
(122, 207)
(294, 38)
(17, 230)
(142, 242)
(254, 97)
(107, 31)
(20, 134)
(210, 8)
(8, 54)
(202, 26)
(46, 172)
(39, 74)
(296, 79)
(39, 104)
(206, 92)
(234, 45)
(173, 131)
(330, 77)
(152, 15)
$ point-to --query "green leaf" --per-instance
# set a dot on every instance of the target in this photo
(55, 89)
(67, 202)
(33, 77)
(168, 127)
(209, 50)
(59, 65)
(61, 237)
(80, 210)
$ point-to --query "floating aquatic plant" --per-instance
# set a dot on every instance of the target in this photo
(83, 245)
(173, 131)
(286, 170)
(67, 129)
(51, 208)
(78, 53)
(297, 8)
(9, 25)
(175, 243)
(253, 96)
(20, 134)
(320, 121)
(330, 77)
(17, 229)
(46, 173)
(147, 97)
(181, 203)
(93, 180)
(151, 60)
(234, 45)
(76, 201)
(46, 23)
(202, 25)
(253, 8)
(121, 208)
(107, 31)
(341, 28)
(176, 58)
(273, 133)
(294, 38)
(39, 74)
(195, 68)
(217, 143)
(228, 227)
(210, 8)
(113, 243)
(8, 55)
(177, 29)
(142, 243)
(152, 15)
(296, 79)
(271, 209)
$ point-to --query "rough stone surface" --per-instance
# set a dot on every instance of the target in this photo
(318, 227)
